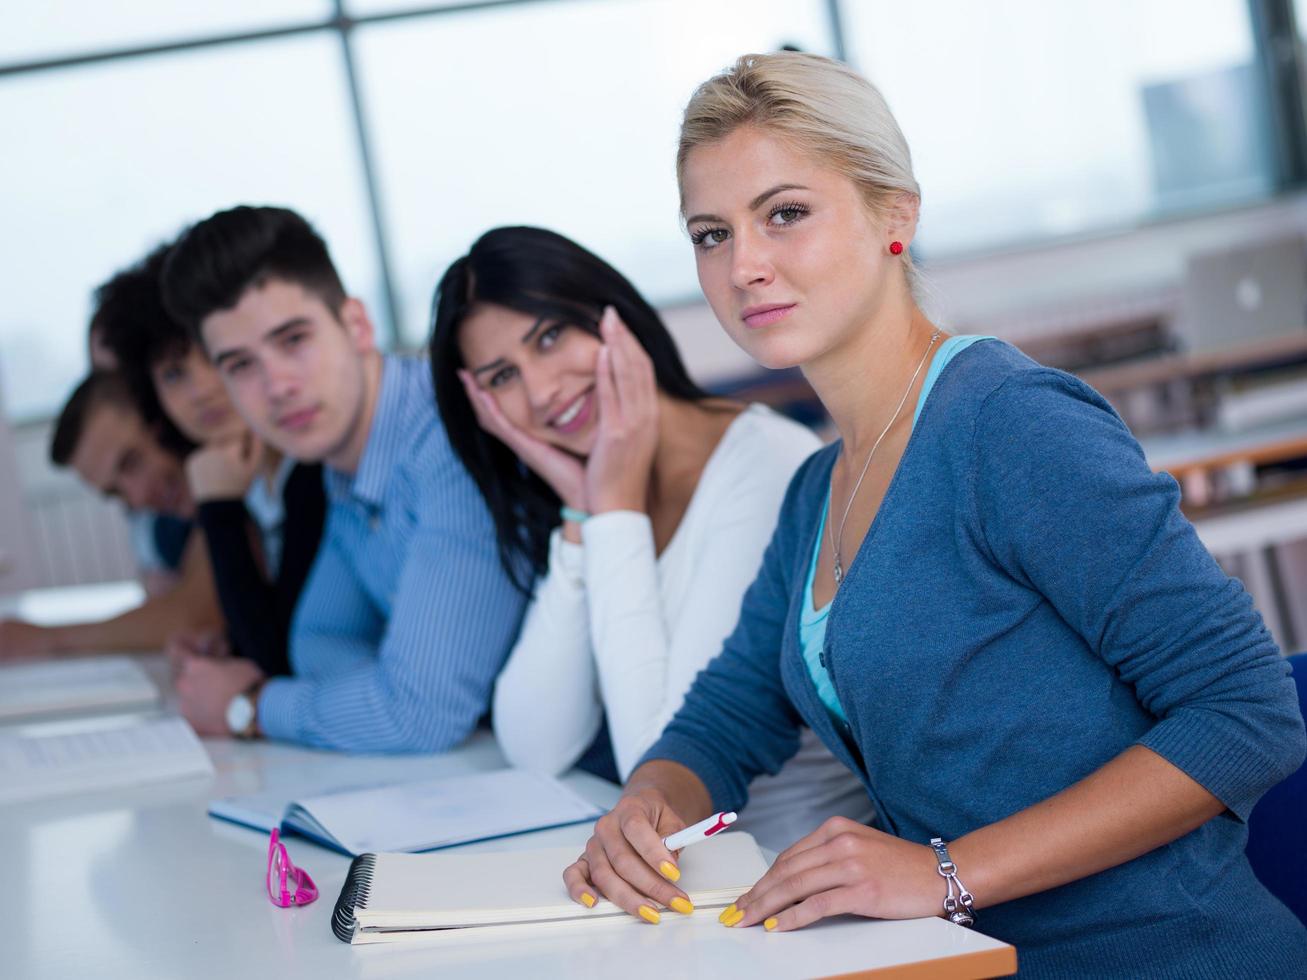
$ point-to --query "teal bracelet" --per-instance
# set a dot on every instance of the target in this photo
(573, 515)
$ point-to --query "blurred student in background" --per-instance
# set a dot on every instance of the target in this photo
(261, 512)
(157, 539)
(101, 434)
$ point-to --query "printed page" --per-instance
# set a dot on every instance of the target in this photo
(303, 776)
(270, 807)
(454, 810)
(262, 811)
(34, 765)
(91, 684)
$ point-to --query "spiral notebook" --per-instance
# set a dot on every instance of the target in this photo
(459, 896)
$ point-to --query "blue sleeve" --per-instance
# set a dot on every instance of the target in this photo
(1068, 505)
(420, 682)
(737, 721)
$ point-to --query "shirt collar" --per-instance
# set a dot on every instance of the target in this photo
(386, 437)
(266, 504)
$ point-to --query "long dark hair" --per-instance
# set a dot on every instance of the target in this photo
(542, 274)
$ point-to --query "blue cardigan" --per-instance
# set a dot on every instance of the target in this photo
(1028, 603)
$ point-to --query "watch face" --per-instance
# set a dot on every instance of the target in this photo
(240, 712)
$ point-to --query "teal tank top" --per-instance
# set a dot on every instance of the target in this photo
(812, 621)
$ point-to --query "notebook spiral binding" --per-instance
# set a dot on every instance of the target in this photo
(354, 894)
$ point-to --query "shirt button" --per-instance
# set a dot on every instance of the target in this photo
(821, 657)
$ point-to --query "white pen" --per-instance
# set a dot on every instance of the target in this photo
(700, 831)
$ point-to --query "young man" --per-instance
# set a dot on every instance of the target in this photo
(407, 616)
(101, 435)
(239, 486)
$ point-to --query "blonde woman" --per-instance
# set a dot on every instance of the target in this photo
(985, 602)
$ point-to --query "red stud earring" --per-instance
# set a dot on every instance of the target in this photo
(896, 248)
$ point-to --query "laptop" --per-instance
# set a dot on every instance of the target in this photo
(1237, 297)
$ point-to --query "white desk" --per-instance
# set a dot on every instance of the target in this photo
(141, 883)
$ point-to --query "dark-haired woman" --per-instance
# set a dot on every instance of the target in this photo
(640, 506)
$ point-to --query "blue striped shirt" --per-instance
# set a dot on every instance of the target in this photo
(407, 615)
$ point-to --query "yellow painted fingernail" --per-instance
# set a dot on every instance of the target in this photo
(734, 918)
(670, 871)
(587, 900)
(770, 924)
(649, 915)
(682, 905)
(726, 913)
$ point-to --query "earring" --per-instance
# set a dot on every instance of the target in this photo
(896, 248)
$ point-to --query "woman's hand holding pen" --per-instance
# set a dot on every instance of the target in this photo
(618, 470)
(625, 860)
(843, 868)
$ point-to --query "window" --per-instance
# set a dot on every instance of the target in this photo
(1028, 119)
(58, 28)
(117, 157)
(476, 124)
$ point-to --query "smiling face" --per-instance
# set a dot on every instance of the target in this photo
(296, 371)
(541, 372)
(191, 392)
(119, 456)
(789, 255)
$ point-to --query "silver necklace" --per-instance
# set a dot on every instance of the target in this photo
(836, 538)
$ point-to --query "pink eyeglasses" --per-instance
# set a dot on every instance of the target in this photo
(281, 872)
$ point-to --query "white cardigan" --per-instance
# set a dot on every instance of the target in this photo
(614, 625)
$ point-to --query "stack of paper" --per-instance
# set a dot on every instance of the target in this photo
(65, 686)
(124, 753)
(389, 897)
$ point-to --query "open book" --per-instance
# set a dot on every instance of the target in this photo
(102, 753)
(55, 687)
(392, 897)
(417, 816)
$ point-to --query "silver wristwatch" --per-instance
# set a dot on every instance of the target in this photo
(242, 714)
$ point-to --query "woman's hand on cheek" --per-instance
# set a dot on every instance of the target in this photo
(844, 868)
(562, 471)
(618, 470)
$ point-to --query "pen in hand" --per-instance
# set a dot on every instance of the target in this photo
(700, 831)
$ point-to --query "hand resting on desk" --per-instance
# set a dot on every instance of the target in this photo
(841, 868)
(20, 639)
(195, 643)
(206, 685)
